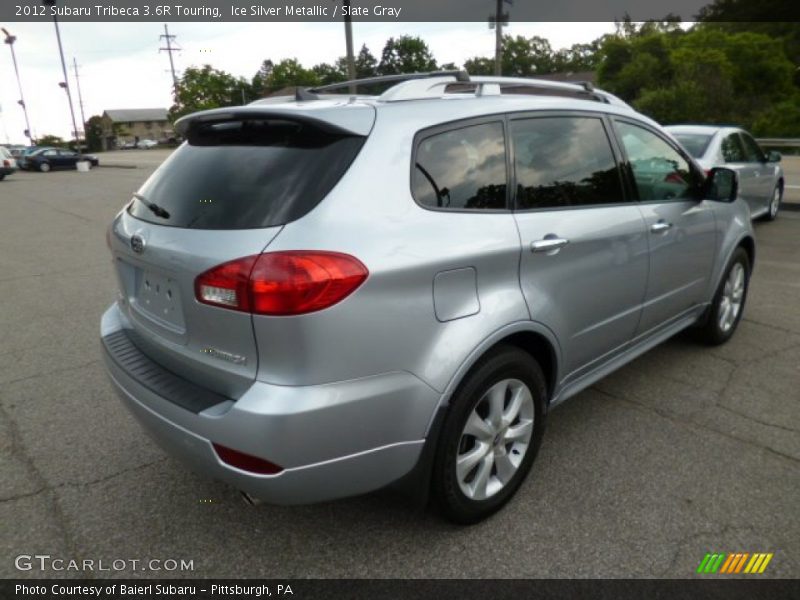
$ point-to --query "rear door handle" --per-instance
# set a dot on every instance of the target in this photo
(549, 245)
(660, 226)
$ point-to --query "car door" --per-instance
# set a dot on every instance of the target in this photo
(583, 269)
(733, 153)
(67, 158)
(762, 174)
(680, 224)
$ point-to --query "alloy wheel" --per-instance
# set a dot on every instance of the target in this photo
(732, 297)
(495, 439)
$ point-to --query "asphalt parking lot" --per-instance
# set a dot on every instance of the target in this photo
(685, 451)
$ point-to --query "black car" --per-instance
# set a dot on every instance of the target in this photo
(46, 159)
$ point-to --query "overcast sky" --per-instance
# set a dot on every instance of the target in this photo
(120, 66)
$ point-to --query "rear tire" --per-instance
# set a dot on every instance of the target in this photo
(490, 436)
(774, 203)
(44, 167)
(727, 307)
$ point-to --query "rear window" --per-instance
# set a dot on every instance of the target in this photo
(695, 143)
(245, 174)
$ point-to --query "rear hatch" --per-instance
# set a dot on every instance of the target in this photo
(223, 195)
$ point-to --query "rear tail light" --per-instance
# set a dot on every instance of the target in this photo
(6, 163)
(281, 283)
(246, 462)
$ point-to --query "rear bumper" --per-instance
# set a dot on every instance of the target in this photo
(332, 440)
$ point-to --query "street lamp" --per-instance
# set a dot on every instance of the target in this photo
(65, 84)
(10, 39)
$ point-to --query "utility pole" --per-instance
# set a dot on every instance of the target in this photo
(496, 22)
(10, 39)
(169, 50)
(80, 95)
(65, 84)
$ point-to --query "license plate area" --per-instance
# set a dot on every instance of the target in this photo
(157, 297)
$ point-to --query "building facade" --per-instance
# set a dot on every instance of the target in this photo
(129, 125)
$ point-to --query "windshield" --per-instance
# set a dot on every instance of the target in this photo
(695, 143)
(245, 174)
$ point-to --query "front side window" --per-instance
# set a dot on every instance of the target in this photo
(461, 169)
(562, 162)
(660, 172)
(751, 149)
(732, 150)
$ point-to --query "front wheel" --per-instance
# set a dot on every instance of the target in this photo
(44, 167)
(490, 436)
(774, 204)
(726, 309)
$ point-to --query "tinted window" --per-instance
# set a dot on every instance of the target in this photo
(462, 169)
(752, 150)
(246, 174)
(695, 143)
(564, 161)
(732, 150)
(660, 172)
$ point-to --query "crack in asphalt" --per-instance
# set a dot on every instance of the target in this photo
(694, 424)
(39, 480)
(54, 371)
(770, 326)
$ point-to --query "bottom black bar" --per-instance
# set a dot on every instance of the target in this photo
(414, 589)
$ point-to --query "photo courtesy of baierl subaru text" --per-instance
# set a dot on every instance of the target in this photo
(376, 299)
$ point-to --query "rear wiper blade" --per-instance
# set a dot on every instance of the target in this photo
(155, 208)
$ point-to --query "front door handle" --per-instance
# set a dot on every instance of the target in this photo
(549, 245)
(660, 226)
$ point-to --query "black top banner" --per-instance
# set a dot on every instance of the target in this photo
(371, 10)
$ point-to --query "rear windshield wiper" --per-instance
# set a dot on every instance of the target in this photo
(154, 208)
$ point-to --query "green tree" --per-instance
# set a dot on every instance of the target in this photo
(94, 133)
(204, 88)
(289, 72)
(406, 54)
(259, 82)
(51, 140)
(781, 119)
(326, 73)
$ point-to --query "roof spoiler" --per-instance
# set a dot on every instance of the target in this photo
(353, 122)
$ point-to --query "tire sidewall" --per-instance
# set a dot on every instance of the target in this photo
(506, 363)
(739, 256)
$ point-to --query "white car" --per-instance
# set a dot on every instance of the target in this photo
(761, 180)
(146, 144)
(7, 163)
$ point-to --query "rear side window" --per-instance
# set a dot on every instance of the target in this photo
(245, 174)
(695, 143)
(732, 150)
(751, 149)
(461, 169)
(660, 172)
(564, 161)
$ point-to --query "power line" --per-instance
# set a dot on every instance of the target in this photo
(170, 39)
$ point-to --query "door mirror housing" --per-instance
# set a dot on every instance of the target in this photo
(773, 156)
(721, 185)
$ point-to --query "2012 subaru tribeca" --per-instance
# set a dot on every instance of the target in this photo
(323, 295)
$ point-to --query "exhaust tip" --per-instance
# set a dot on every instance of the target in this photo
(249, 500)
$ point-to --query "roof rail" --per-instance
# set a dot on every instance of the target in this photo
(400, 77)
(418, 89)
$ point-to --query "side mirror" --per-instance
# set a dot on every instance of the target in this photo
(773, 156)
(721, 185)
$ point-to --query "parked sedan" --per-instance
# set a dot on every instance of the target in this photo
(146, 144)
(7, 163)
(46, 159)
(761, 179)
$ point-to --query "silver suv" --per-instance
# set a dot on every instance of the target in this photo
(323, 295)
